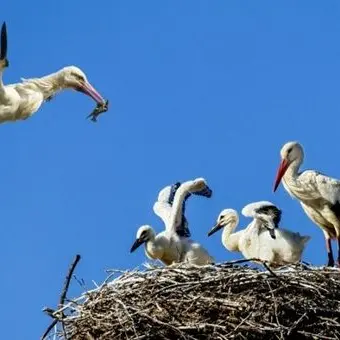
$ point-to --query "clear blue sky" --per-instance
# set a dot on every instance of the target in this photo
(197, 89)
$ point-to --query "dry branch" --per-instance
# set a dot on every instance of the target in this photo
(59, 315)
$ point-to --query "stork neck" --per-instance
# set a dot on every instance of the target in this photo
(2, 86)
(153, 248)
(177, 207)
(290, 179)
(292, 172)
(229, 242)
(48, 85)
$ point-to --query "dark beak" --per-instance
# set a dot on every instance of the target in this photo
(272, 233)
(137, 243)
(217, 227)
(206, 192)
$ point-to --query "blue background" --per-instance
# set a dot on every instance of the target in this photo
(196, 88)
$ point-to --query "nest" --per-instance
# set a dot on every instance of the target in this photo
(223, 301)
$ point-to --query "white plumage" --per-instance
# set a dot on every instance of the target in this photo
(262, 239)
(21, 100)
(171, 245)
(318, 194)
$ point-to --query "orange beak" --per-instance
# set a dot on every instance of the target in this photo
(280, 173)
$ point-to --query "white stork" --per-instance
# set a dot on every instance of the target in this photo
(173, 244)
(21, 100)
(262, 238)
(163, 206)
(318, 194)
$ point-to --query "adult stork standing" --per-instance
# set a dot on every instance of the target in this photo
(318, 194)
(173, 245)
(21, 100)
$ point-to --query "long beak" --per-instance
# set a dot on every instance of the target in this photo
(272, 233)
(217, 227)
(88, 89)
(206, 192)
(280, 173)
(137, 243)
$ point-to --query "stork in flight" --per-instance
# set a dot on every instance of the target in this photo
(173, 245)
(318, 194)
(21, 100)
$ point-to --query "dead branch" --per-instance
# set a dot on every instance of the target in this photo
(59, 316)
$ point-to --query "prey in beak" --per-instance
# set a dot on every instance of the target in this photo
(99, 109)
(280, 173)
(3, 52)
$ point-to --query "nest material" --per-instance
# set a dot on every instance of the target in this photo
(225, 301)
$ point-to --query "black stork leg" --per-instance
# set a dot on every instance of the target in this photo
(329, 252)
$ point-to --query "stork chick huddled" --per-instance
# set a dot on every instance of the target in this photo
(262, 239)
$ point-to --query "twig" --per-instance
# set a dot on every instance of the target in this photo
(59, 316)
(67, 280)
(49, 328)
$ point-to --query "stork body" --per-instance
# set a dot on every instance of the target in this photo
(173, 245)
(21, 100)
(257, 240)
(318, 194)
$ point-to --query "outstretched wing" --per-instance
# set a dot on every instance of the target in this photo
(163, 209)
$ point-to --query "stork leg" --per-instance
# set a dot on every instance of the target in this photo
(338, 259)
(329, 252)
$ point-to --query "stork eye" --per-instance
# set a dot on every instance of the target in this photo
(78, 76)
(290, 150)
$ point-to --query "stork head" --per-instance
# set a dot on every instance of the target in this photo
(227, 217)
(266, 213)
(144, 234)
(73, 77)
(200, 187)
(290, 152)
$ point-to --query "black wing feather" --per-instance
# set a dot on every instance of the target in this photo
(272, 211)
(3, 53)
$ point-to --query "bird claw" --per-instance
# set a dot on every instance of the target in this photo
(99, 109)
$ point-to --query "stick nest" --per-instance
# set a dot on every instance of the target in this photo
(224, 301)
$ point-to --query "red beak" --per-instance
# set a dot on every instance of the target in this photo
(280, 172)
(88, 89)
